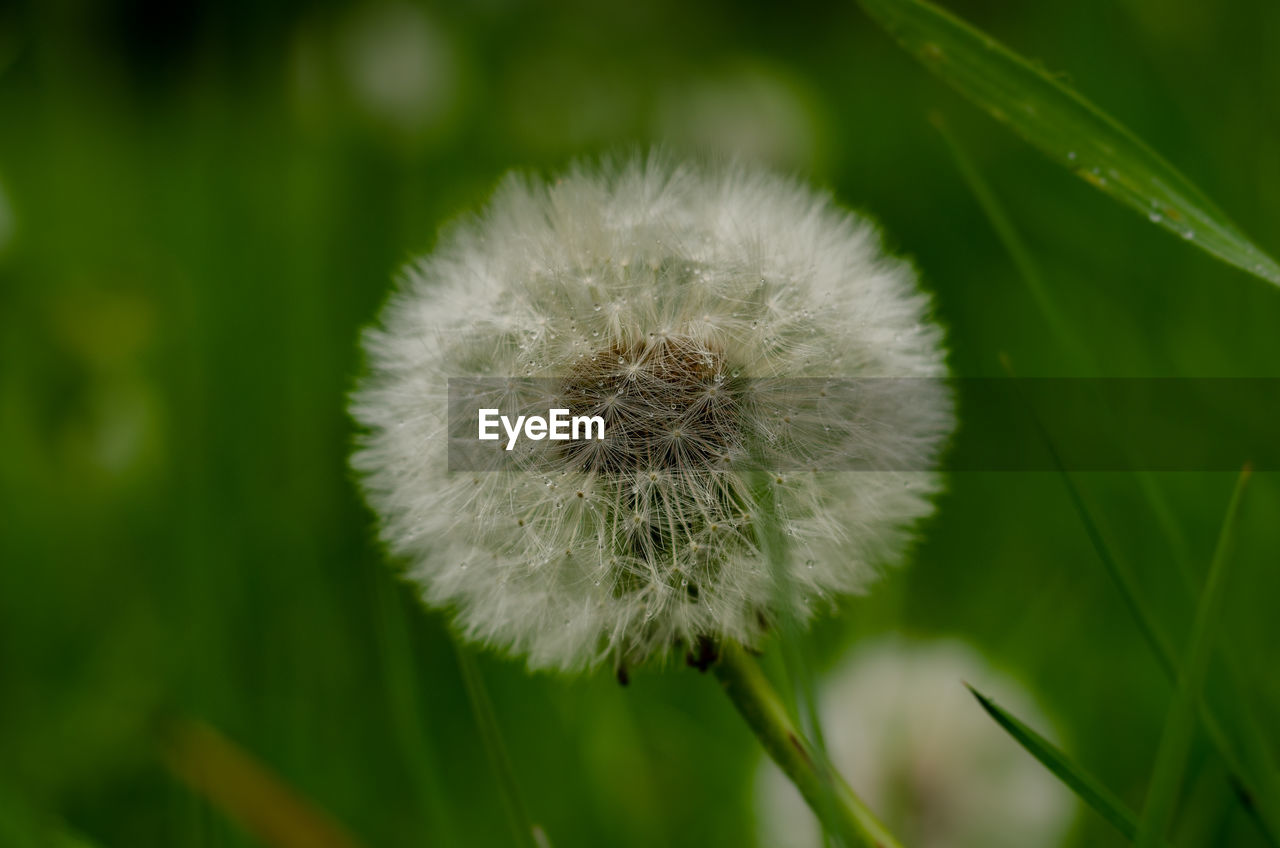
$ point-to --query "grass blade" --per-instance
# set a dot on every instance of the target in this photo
(1013, 244)
(1175, 742)
(1253, 770)
(1073, 132)
(1248, 754)
(1079, 781)
(1157, 638)
(244, 789)
(1250, 759)
(525, 832)
(1146, 620)
(409, 714)
(1260, 796)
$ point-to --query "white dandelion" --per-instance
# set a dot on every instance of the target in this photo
(706, 314)
(911, 740)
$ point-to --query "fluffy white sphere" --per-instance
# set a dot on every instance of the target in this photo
(915, 745)
(702, 311)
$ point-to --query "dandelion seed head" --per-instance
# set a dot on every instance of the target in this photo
(681, 304)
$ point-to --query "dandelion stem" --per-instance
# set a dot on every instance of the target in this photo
(841, 811)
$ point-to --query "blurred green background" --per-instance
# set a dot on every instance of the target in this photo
(201, 204)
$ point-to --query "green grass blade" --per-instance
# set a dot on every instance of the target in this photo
(1175, 742)
(1250, 758)
(1156, 638)
(1259, 784)
(513, 802)
(1248, 753)
(1013, 244)
(1073, 132)
(1254, 768)
(1079, 781)
(1253, 763)
(410, 716)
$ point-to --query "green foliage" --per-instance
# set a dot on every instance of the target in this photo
(1071, 130)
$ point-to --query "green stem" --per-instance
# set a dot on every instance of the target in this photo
(842, 812)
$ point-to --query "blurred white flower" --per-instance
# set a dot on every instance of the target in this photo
(400, 65)
(752, 111)
(689, 307)
(915, 745)
(388, 61)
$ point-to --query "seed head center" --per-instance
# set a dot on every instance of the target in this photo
(668, 402)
